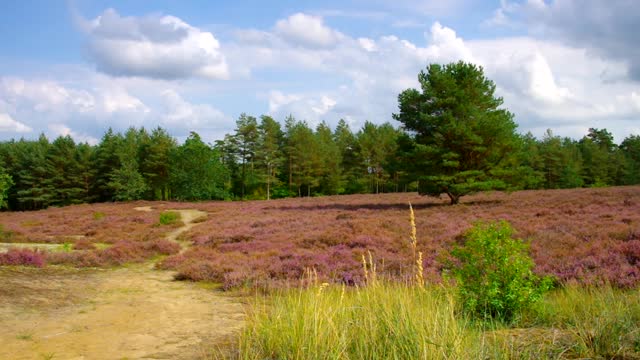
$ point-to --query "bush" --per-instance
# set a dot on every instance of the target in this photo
(494, 273)
(169, 217)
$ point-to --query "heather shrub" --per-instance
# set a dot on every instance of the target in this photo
(494, 274)
(169, 217)
(83, 244)
(122, 252)
(26, 257)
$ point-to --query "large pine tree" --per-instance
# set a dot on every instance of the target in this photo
(461, 134)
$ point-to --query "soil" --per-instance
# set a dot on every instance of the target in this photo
(133, 312)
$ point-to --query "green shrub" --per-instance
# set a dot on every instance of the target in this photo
(98, 215)
(494, 274)
(169, 217)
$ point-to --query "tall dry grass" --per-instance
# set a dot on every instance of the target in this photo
(380, 321)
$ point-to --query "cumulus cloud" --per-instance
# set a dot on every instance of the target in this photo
(51, 97)
(546, 84)
(607, 28)
(86, 107)
(181, 114)
(153, 46)
(446, 45)
(307, 30)
(542, 84)
(63, 130)
(7, 124)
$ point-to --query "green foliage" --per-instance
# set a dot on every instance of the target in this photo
(169, 217)
(127, 183)
(196, 171)
(456, 141)
(460, 133)
(154, 163)
(5, 183)
(98, 215)
(494, 273)
(67, 247)
(269, 153)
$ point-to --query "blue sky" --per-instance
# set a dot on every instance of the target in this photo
(79, 67)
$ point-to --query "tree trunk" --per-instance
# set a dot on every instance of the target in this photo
(455, 199)
(269, 182)
(290, 172)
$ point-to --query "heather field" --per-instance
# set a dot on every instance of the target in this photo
(584, 236)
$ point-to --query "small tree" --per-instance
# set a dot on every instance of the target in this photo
(461, 137)
(494, 273)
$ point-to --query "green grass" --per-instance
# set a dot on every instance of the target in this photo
(386, 321)
(395, 321)
(169, 217)
(603, 322)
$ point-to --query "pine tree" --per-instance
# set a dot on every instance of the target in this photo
(268, 151)
(461, 134)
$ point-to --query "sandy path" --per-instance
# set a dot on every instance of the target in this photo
(127, 313)
(188, 217)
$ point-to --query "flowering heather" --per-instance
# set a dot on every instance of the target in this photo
(120, 253)
(588, 236)
(105, 223)
(584, 236)
(26, 257)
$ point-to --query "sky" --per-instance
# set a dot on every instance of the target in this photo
(79, 67)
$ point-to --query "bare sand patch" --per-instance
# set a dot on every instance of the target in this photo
(126, 313)
(131, 312)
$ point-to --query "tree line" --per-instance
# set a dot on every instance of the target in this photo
(454, 138)
(262, 160)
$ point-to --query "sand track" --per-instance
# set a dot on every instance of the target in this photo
(132, 312)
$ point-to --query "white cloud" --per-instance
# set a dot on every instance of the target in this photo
(7, 124)
(181, 114)
(367, 44)
(326, 104)
(606, 28)
(307, 30)
(277, 100)
(542, 84)
(446, 45)
(116, 99)
(154, 46)
(85, 107)
(63, 130)
(635, 100)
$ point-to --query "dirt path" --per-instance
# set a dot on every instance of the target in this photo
(188, 217)
(127, 313)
